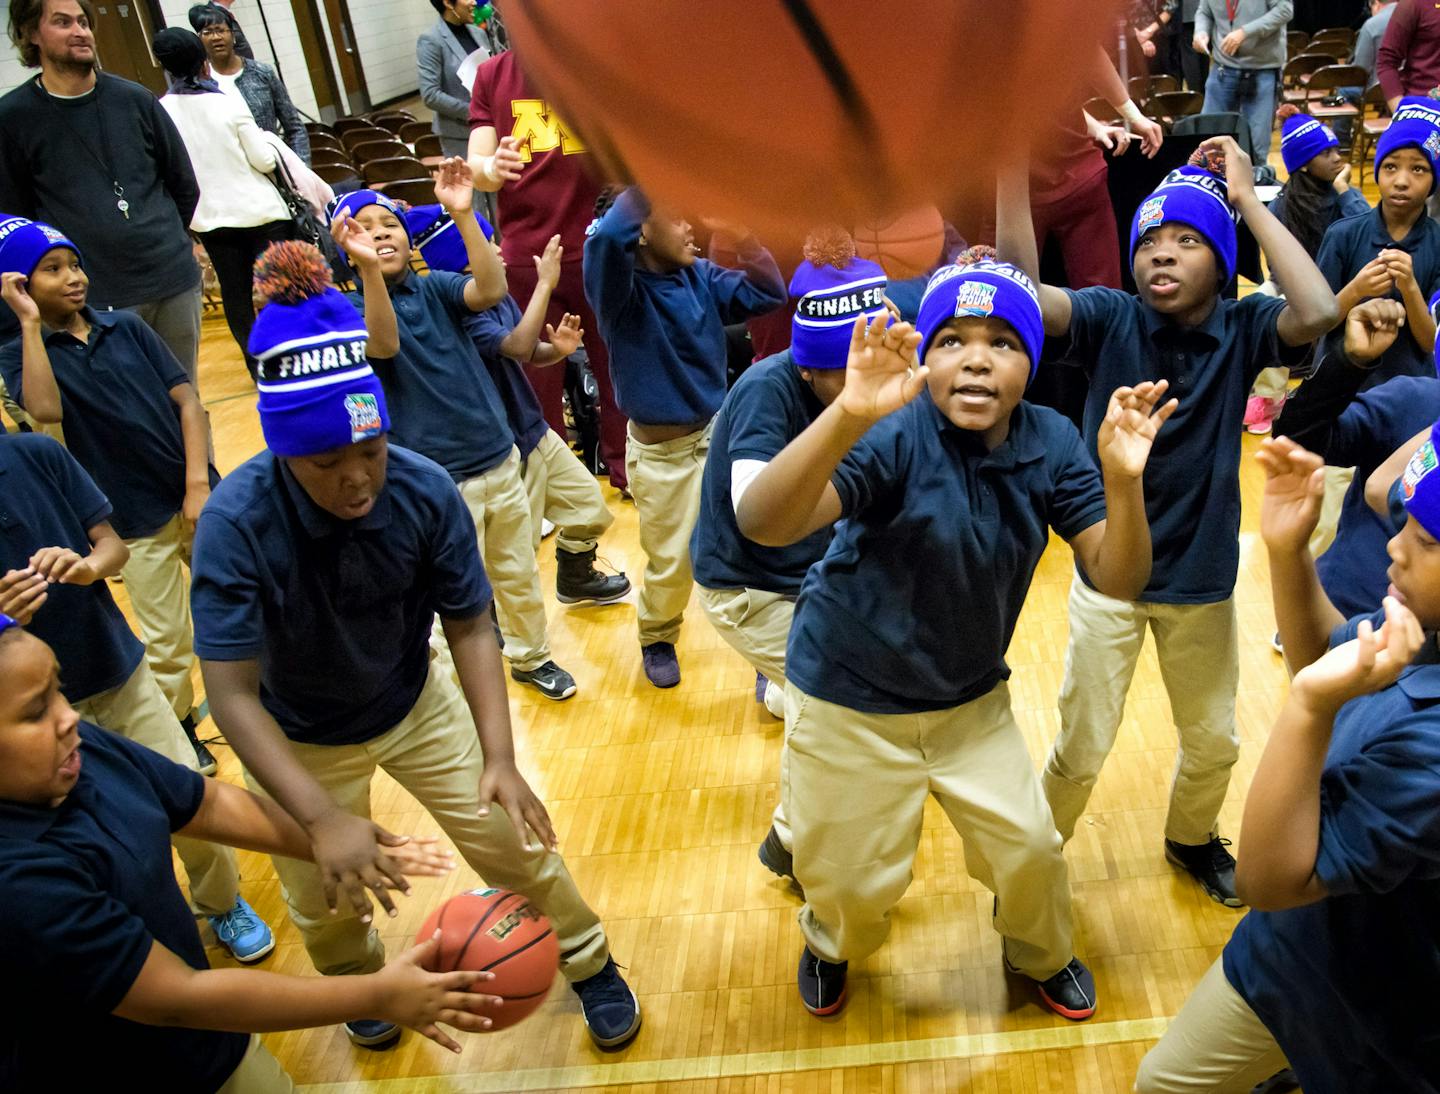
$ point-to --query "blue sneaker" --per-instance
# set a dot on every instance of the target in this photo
(242, 932)
(612, 1013)
(372, 1033)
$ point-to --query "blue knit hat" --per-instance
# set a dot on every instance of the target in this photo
(1420, 485)
(432, 229)
(351, 203)
(317, 390)
(1302, 138)
(23, 243)
(831, 289)
(984, 290)
(1193, 196)
(1416, 124)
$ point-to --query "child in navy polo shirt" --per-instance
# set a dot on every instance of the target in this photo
(445, 404)
(133, 420)
(94, 927)
(748, 591)
(895, 692)
(1340, 845)
(556, 482)
(1178, 328)
(320, 568)
(57, 547)
(662, 312)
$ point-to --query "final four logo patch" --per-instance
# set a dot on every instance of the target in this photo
(1432, 144)
(1152, 213)
(1420, 465)
(975, 298)
(364, 414)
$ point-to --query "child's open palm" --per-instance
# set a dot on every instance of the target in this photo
(454, 185)
(355, 241)
(1373, 660)
(547, 265)
(879, 373)
(565, 338)
(1131, 421)
(1294, 486)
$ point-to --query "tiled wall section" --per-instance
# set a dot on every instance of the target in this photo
(386, 31)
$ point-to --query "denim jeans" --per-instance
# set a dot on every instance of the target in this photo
(1252, 92)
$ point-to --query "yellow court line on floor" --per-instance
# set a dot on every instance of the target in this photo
(961, 1046)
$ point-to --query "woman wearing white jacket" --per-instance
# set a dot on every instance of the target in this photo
(240, 212)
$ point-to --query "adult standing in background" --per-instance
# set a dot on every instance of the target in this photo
(242, 44)
(1194, 64)
(1246, 43)
(1372, 33)
(438, 54)
(1408, 60)
(522, 151)
(255, 83)
(97, 157)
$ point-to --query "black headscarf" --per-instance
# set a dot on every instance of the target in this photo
(182, 55)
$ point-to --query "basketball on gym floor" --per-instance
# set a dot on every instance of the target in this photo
(492, 930)
(904, 246)
(782, 114)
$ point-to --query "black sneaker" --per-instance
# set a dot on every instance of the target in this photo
(576, 579)
(1210, 864)
(822, 984)
(203, 756)
(372, 1033)
(1070, 993)
(662, 667)
(549, 679)
(779, 861)
(612, 1013)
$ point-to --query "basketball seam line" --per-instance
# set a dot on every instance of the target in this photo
(517, 953)
(479, 926)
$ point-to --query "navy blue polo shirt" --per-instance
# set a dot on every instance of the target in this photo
(487, 329)
(115, 397)
(1341, 982)
(1378, 422)
(47, 500)
(89, 888)
(914, 603)
(1192, 481)
(338, 613)
(1352, 242)
(769, 406)
(442, 403)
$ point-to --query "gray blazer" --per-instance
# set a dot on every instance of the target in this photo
(437, 56)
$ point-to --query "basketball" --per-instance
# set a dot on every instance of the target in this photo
(787, 113)
(904, 246)
(491, 930)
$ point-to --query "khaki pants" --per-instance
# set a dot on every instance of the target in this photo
(434, 754)
(258, 1073)
(501, 512)
(1216, 1044)
(561, 490)
(856, 800)
(665, 482)
(1337, 482)
(159, 588)
(756, 625)
(137, 709)
(1200, 664)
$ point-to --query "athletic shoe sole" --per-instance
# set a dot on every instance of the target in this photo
(592, 599)
(833, 1008)
(558, 697)
(251, 958)
(383, 1041)
(623, 1038)
(1066, 1012)
(1214, 894)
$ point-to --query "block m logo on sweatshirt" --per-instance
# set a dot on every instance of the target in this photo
(539, 129)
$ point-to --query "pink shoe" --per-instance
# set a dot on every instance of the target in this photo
(1261, 412)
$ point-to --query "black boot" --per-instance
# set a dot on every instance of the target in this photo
(203, 756)
(577, 579)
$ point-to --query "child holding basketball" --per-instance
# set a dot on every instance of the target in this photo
(320, 568)
(1178, 328)
(662, 313)
(895, 692)
(93, 926)
(746, 590)
(445, 404)
(1340, 846)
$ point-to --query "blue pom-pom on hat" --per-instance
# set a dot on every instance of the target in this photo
(433, 230)
(983, 290)
(23, 243)
(828, 300)
(1193, 196)
(1302, 138)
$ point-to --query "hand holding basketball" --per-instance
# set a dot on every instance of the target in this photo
(879, 378)
(413, 997)
(503, 782)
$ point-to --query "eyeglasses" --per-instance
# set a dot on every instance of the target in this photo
(214, 30)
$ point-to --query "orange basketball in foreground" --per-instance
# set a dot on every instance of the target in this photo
(492, 930)
(904, 246)
(783, 114)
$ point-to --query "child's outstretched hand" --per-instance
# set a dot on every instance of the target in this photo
(1373, 660)
(454, 185)
(355, 242)
(567, 337)
(1131, 422)
(14, 293)
(547, 265)
(1239, 172)
(1371, 328)
(1294, 487)
(413, 997)
(880, 373)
